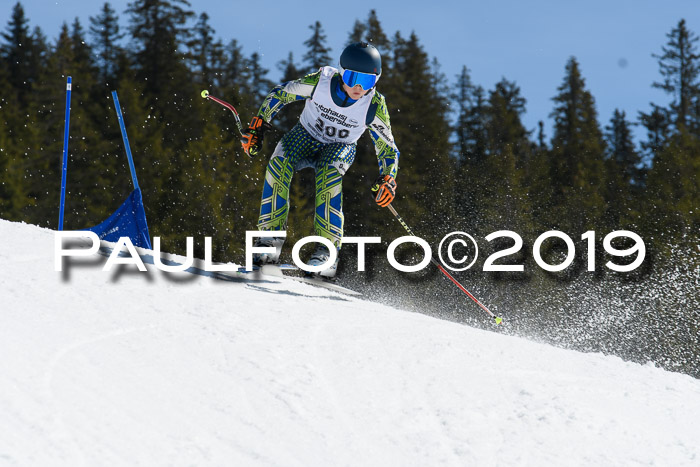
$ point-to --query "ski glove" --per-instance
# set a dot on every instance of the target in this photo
(384, 190)
(252, 137)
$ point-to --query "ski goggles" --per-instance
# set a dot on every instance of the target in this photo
(352, 78)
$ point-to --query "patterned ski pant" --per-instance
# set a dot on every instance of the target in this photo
(295, 151)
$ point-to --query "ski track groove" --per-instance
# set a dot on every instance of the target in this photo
(62, 429)
(331, 393)
(250, 453)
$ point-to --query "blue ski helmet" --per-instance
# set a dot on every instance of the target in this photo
(360, 63)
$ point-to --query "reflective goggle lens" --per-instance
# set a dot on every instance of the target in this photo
(353, 78)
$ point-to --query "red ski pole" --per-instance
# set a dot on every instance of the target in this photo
(205, 94)
(444, 271)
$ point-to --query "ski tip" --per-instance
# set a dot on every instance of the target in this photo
(499, 320)
(205, 94)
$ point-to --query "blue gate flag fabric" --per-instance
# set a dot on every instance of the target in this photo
(129, 220)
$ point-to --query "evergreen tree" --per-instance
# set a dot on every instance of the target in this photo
(577, 178)
(81, 50)
(624, 173)
(673, 192)
(357, 34)
(621, 149)
(91, 169)
(155, 162)
(541, 143)
(503, 193)
(372, 32)
(104, 31)
(318, 53)
(422, 132)
(289, 69)
(504, 127)
(39, 51)
(679, 66)
(207, 53)
(159, 29)
(470, 145)
(538, 173)
(259, 86)
(225, 203)
(13, 186)
(375, 33)
(658, 125)
(470, 129)
(21, 56)
(83, 67)
(40, 142)
(234, 70)
(235, 79)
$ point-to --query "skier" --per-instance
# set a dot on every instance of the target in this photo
(340, 105)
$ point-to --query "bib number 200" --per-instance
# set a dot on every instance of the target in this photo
(330, 130)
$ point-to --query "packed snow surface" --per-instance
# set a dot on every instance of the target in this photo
(132, 368)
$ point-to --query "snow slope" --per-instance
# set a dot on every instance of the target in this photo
(150, 369)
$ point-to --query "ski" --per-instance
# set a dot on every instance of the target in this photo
(276, 271)
(268, 267)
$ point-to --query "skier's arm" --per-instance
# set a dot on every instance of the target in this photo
(285, 93)
(384, 145)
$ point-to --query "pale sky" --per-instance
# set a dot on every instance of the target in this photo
(524, 41)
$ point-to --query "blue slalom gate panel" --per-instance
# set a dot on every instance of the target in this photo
(129, 220)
